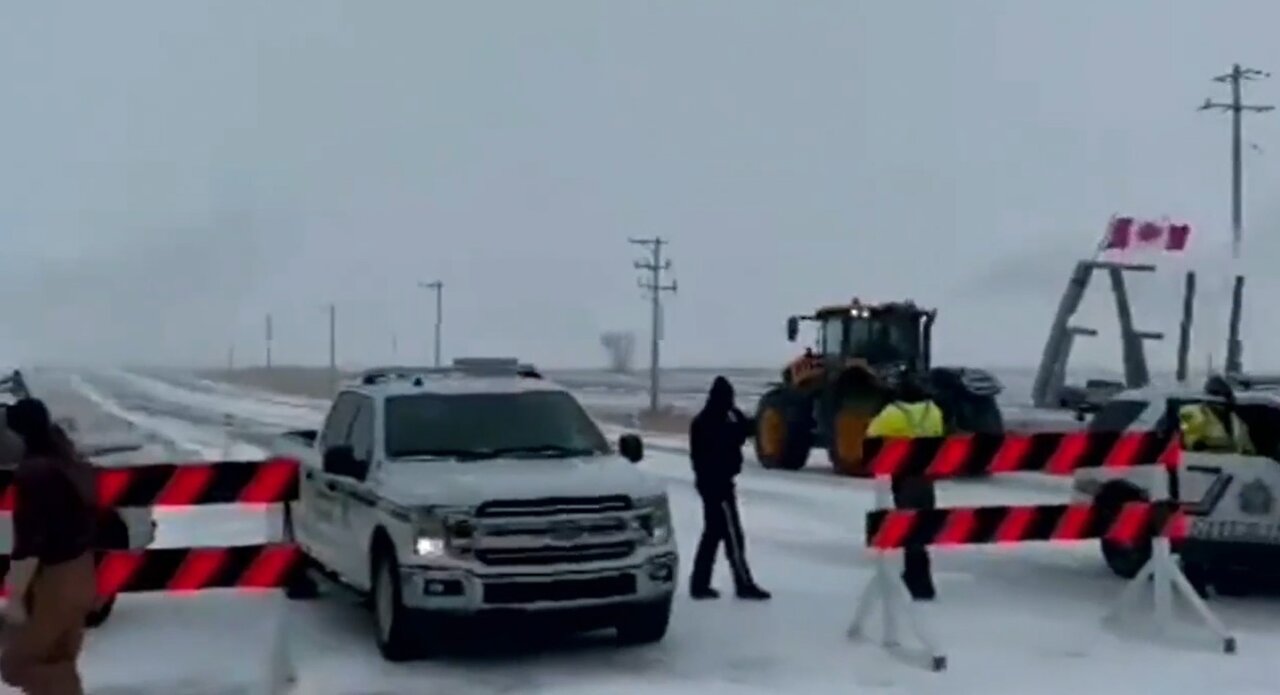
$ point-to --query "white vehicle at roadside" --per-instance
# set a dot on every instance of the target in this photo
(481, 490)
(1230, 498)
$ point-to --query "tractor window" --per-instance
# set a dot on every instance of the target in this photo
(884, 339)
(831, 337)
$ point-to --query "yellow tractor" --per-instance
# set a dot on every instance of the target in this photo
(861, 353)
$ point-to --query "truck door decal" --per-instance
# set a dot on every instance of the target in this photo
(1254, 500)
(1217, 490)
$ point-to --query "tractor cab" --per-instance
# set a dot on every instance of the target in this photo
(888, 339)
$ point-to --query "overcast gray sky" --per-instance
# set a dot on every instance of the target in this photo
(172, 171)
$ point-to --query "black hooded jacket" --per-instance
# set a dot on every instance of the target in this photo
(716, 436)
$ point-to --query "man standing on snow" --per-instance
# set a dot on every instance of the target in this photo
(716, 436)
(912, 414)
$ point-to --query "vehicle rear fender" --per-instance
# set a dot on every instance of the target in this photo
(1117, 492)
(1088, 485)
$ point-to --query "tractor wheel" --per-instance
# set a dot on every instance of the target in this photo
(848, 430)
(783, 434)
(856, 399)
(981, 416)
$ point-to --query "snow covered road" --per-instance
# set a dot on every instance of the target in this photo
(1012, 620)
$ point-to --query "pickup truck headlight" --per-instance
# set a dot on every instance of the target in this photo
(655, 519)
(429, 540)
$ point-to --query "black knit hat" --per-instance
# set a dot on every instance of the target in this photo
(720, 397)
(912, 391)
(29, 419)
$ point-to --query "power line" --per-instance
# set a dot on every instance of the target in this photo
(437, 287)
(1237, 108)
(655, 265)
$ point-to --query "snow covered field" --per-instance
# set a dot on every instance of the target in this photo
(1012, 620)
(621, 397)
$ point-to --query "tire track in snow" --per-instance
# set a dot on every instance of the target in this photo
(185, 435)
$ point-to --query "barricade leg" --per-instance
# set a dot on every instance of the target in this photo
(894, 601)
(1162, 576)
(1168, 581)
(281, 671)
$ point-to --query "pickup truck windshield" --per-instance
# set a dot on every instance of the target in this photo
(533, 424)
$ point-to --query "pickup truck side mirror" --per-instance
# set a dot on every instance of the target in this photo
(341, 460)
(631, 447)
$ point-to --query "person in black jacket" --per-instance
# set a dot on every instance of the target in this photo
(716, 436)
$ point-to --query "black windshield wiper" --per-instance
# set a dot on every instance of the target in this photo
(551, 449)
(456, 454)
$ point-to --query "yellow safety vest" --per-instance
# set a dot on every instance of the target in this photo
(1202, 429)
(907, 420)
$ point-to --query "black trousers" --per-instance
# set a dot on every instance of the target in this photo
(915, 493)
(720, 524)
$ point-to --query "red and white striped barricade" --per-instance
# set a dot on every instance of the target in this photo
(1050, 453)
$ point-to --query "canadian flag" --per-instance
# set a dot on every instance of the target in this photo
(1130, 234)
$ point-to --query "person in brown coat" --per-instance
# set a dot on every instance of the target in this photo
(52, 583)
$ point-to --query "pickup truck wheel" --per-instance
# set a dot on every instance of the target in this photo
(401, 630)
(302, 586)
(645, 624)
(1125, 561)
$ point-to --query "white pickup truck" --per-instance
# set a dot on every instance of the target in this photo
(1234, 536)
(480, 489)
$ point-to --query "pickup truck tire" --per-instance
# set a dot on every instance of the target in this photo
(1125, 561)
(112, 535)
(402, 632)
(645, 624)
(302, 586)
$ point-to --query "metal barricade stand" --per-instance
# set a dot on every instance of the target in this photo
(888, 592)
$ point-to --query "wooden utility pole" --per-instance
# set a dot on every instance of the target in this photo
(655, 266)
(438, 287)
(1235, 78)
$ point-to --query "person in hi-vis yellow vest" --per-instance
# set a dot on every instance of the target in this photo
(1203, 430)
(912, 414)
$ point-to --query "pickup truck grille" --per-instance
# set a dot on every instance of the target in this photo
(554, 506)
(538, 527)
(554, 531)
(559, 590)
(552, 555)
